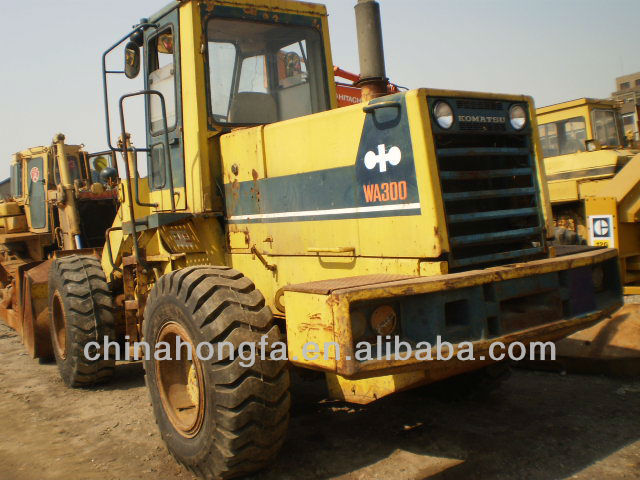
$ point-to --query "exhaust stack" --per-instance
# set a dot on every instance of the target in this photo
(373, 73)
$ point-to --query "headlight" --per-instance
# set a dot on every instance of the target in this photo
(517, 117)
(444, 115)
(384, 320)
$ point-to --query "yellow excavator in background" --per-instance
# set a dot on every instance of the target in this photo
(593, 175)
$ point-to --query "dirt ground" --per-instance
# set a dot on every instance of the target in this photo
(537, 426)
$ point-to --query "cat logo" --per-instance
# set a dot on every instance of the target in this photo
(601, 231)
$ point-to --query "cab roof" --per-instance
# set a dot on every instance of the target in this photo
(580, 102)
(291, 6)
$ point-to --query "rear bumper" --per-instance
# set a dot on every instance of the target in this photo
(542, 300)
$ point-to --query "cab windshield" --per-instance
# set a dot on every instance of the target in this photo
(605, 128)
(264, 72)
(563, 137)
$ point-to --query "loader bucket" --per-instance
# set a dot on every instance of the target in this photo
(611, 347)
(35, 301)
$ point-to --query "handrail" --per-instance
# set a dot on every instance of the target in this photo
(376, 106)
(136, 176)
(109, 251)
(167, 152)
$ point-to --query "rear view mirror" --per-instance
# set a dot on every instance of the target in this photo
(132, 60)
(109, 175)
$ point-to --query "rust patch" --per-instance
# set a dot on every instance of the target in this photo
(324, 287)
(235, 188)
(333, 301)
(255, 191)
(305, 327)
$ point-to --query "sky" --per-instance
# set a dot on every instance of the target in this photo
(553, 50)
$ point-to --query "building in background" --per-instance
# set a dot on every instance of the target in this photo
(628, 93)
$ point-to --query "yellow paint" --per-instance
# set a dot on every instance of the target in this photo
(369, 390)
(313, 324)
(571, 189)
(299, 269)
(8, 209)
(16, 224)
(428, 269)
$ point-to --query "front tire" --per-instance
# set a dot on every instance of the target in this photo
(80, 311)
(220, 419)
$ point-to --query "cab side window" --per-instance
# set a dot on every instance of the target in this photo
(162, 73)
(563, 137)
(16, 180)
(549, 140)
(74, 169)
(162, 78)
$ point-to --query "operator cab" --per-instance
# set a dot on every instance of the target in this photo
(39, 191)
(263, 73)
(252, 67)
(579, 126)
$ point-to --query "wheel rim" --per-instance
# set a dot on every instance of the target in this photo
(59, 327)
(181, 382)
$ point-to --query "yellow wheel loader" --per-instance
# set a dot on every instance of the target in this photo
(272, 218)
(594, 184)
(62, 199)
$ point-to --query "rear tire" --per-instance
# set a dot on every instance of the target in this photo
(219, 419)
(80, 312)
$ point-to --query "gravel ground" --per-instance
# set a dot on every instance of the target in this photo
(537, 426)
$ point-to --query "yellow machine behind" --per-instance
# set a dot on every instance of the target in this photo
(270, 215)
(594, 186)
(58, 203)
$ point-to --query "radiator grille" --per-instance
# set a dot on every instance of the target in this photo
(490, 193)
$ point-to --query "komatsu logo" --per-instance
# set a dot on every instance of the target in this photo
(392, 157)
(481, 119)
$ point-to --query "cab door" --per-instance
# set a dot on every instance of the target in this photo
(162, 74)
(37, 200)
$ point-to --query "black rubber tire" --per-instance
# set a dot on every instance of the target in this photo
(87, 306)
(564, 236)
(472, 385)
(246, 413)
